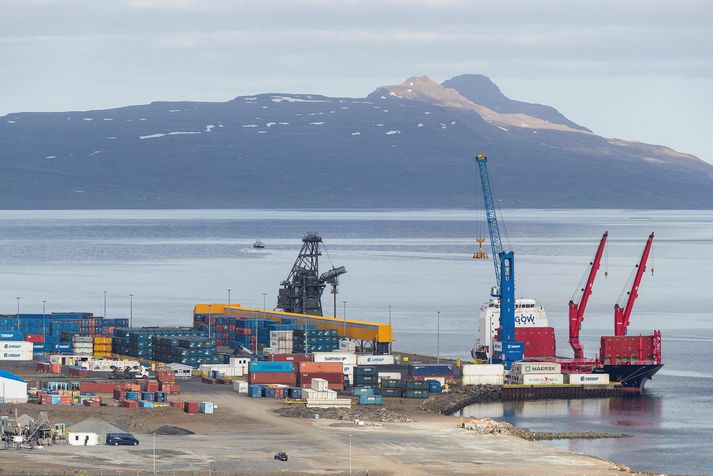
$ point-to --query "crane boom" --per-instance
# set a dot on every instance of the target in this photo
(622, 315)
(496, 243)
(576, 310)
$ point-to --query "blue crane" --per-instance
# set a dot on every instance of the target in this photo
(506, 350)
(496, 243)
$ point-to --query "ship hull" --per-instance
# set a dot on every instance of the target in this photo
(632, 377)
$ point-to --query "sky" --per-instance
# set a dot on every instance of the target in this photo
(630, 69)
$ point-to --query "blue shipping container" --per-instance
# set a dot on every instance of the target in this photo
(270, 367)
(9, 335)
(268, 392)
(363, 391)
(434, 386)
(255, 390)
(370, 400)
(425, 370)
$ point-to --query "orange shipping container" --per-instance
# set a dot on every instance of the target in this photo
(320, 367)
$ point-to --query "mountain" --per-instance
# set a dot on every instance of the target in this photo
(409, 145)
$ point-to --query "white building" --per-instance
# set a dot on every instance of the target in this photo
(183, 372)
(82, 439)
(12, 388)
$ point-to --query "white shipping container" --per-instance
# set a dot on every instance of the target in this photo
(343, 357)
(483, 379)
(537, 379)
(15, 355)
(347, 346)
(319, 384)
(588, 378)
(239, 362)
(389, 376)
(15, 346)
(483, 369)
(240, 386)
(375, 360)
(336, 402)
(536, 368)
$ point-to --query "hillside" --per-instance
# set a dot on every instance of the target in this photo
(404, 146)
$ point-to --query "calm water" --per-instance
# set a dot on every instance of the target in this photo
(419, 262)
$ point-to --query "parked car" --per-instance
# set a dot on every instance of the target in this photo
(281, 456)
(126, 439)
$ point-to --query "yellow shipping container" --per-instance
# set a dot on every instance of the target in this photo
(102, 340)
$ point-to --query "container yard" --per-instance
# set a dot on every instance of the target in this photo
(279, 374)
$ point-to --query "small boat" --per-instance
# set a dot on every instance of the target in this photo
(258, 244)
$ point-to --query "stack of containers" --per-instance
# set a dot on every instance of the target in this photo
(416, 389)
(315, 340)
(82, 345)
(332, 372)
(444, 373)
(281, 341)
(319, 395)
(138, 342)
(483, 374)
(536, 373)
(187, 350)
(271, 373)
(102, 346)
(366, 376)
(15, 350)
(348, 360)
(392, 387)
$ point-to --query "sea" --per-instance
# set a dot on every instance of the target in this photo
(414, 268)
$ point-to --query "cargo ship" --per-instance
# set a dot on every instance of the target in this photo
(628, 360)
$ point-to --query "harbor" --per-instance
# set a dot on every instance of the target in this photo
(447, 345)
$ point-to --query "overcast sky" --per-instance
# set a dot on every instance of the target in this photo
(638, 69)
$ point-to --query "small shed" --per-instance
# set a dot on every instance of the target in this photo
(12, 388)
(82, 439)
(183, 372)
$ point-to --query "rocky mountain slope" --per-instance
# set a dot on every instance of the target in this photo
(404, 146)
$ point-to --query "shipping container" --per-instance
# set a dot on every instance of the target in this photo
(370, 400)
(191, 407)
(285, 378)
(206, 407)
(536, 379)
(322, 367)
(277, 367)
(586, 379)
(345, 358)
(484, 379)
(483, 369)
(428, 370)
(536, 368)
(375, 360)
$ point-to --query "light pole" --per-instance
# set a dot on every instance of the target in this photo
(209, 317)
(257, 329)
(104, 304)
(438, 338)
(344, 303)
(44, 317)
(229, 296)
(131, 310)
(350, 455)
(17, 316)
(154, 453)
(391, 336)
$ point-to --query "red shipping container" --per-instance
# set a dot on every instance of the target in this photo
(539, 341)
(66, 400)
(176, 404)
(305, 379)
(191, 407)
(280, 392)
(152, 386)
(55, 368)
(326, 367)
(38, 338)
(130, 404)
(97, 387)
(171, 388)
(284, 378)
(291, 357)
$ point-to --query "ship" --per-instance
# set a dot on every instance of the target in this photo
(258, 244)
(630, 361)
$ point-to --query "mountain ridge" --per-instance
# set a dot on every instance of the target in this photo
(284, 150)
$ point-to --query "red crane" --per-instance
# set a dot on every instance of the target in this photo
(576, 310)
(621, 315)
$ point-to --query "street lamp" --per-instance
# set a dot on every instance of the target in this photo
(131, 310)
(391, 336)
(17, 316)
(344, 303)
(44, 317)
(350, 455)
(104, 304)
(154, 453)
(229, 296)
(438, 338)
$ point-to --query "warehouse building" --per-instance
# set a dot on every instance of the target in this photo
(12, 388)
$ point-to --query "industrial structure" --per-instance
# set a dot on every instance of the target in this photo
(302, 291)
(629, 360)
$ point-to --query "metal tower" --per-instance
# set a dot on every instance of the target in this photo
(302, 291)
